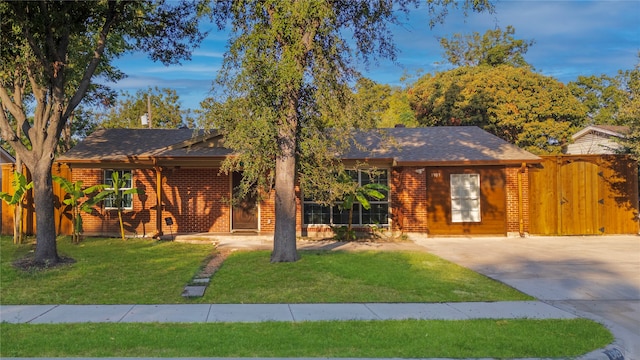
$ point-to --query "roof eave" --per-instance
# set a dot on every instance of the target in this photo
(467, 162)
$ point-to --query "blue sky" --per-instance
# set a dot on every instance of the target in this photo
(572, 38)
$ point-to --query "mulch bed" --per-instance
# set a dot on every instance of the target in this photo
(29, 264)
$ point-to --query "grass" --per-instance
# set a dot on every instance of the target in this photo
(390, 339)
(107, 271)
(138, 271)
(337, 277)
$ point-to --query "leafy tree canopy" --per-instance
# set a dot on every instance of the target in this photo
(384, 105)
(629, 111)
(493, 48)
(283, 98)
(535, 112)
(602, 95)
(53, 51)
(166, 111)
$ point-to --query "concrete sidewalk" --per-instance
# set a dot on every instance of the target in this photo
(201, 313)
(212, 313)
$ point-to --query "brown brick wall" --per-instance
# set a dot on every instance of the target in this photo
(195, 199)
(268, 213)
(409, 199)
(513, 200)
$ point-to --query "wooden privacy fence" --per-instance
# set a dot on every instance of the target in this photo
(64, 226)
(584, 195)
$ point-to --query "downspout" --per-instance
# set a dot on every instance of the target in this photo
(158, 170)
(521, 171)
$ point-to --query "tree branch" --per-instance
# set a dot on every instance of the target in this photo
(110, 20)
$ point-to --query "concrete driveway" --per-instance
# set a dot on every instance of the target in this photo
(595, 277)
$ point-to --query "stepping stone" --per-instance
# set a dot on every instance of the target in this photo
(201, 281)
(194, 291)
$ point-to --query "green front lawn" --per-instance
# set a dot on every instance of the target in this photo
(139, 271)
(106, 271)
(347, 277)
(354, 339)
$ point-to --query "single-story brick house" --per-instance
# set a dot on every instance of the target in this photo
(442, 180)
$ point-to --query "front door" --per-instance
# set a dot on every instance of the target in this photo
(245, 211)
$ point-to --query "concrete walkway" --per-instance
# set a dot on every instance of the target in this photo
(200, 313)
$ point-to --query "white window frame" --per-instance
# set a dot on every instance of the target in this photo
(127, 198)
(465, 198)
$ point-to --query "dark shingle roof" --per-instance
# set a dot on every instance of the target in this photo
(122, 144)
(449, 145)
(443, 145)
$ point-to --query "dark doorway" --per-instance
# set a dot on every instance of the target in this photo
(245, 211)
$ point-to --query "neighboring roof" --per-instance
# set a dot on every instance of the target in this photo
(611, 130)
(447, 145)
(5, 157)
(442, 145)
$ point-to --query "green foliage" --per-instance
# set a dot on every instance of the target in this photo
(532, 111)
(76, 194)
(165, 110)
(20, 188)
(344, 233)
(51, 54)
(399, 111)
(494, 48)
(629, 110)
(117, 193)
(602, 95)
(383, 105)
(613, 101)
(355, 192)
(283, 95)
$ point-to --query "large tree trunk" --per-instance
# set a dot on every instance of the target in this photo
(46, 248)
(284, 239)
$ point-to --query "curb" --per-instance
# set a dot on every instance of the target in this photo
(611, 352)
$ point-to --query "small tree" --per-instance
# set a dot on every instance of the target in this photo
(359, 193)
(117, 194)
(20, 188)
(76, 194)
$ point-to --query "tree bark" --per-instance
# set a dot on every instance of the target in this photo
(46, 247)
(284, 240)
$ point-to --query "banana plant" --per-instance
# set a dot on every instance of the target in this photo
(359, 193)
(20, 186)
(76, 194)
(117, 193)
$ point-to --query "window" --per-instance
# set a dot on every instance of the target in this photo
(333, 215)
(465, 198)
(127, 200)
